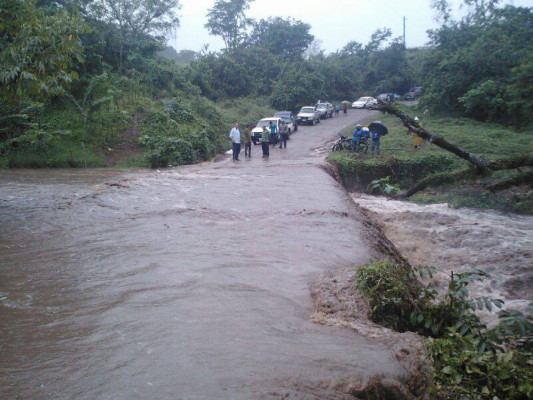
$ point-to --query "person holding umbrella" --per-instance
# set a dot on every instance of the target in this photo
(377, 130)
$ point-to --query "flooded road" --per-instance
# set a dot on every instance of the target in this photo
(191, 283)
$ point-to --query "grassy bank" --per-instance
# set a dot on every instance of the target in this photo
(131, 130)
(405, 165)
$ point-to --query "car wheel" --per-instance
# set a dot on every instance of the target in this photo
(255, 142)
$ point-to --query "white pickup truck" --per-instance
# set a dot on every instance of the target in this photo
(257, 132)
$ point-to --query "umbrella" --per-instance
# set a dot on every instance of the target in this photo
(346, 102)
(378, 126)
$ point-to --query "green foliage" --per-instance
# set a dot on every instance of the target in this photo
(405, 165)
(298, 85)
(38, 49)
(228, 20)
(182, 132)
(383, 186)
(470, 360)
(133, 27)
(461, 371)
(390, 291)
(491, 48)
(287, 37)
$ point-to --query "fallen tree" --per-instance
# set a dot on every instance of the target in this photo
(482, 167)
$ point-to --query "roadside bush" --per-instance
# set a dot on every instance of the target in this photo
(171, 152)
(471, 361)
(179, 131)
(462, 372)
(391, 293)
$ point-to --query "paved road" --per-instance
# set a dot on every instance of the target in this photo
(190, 283)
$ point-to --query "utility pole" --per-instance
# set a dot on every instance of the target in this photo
(404, 32)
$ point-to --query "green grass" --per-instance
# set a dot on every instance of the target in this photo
(58, 154)
(405, 165)
(245, 110)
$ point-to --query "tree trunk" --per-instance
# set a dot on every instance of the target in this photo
(481, 164)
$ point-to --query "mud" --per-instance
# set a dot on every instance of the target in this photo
(192, 283)
(459, 240)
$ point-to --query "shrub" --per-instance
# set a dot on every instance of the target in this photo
(462, 372)
(471, 361)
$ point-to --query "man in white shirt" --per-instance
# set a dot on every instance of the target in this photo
(235, 136)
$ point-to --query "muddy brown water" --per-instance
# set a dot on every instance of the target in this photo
(188, 283)
(458, 240)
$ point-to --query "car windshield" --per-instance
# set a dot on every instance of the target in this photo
(363, 99)
(321, 106)
(307, 110)
(282, 114)
(263, 123)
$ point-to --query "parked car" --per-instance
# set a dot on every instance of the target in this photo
(325, 110)
(308, 115)
(413, 93)
(364, 102)
(289, 118)
(386, 97)
(257, 132)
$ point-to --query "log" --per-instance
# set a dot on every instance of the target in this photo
(441, 178)
(525, 178)
(481, 164)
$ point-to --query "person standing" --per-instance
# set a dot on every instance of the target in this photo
(337, 109)
(284, 134)
(376, 141)
(265, 141)
(273, 130)
(235, 136)
(345, 109)
(417, 140)
(247, 142)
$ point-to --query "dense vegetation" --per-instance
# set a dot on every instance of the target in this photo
(79, 77)
(471, 360)
(405, 166)
(482, 65)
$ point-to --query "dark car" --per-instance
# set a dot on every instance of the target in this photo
(413, 93)
(290, 119)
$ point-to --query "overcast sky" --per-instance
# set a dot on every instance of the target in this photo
(334, 22)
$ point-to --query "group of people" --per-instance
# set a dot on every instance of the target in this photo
(360, 134)
(268, 137)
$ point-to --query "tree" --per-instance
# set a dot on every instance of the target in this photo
(132, 23)
(287, 37)
(37, 49)
(298, 84)
(472, 62)
(228, 20)
(379, 37)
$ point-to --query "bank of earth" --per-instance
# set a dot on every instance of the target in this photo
(405, 165)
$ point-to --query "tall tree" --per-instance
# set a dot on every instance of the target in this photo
(131, 22)
(228, 20)
(287, 37)
(37, 49)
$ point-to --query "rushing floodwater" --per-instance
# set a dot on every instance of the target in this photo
(192, 283)
(460, 240)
